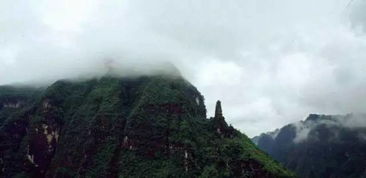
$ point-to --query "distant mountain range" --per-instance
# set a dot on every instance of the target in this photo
(148, 126)
(321, 146)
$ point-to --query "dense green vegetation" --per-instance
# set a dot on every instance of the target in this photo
(330, 148)
(152, 126)
(13, 98)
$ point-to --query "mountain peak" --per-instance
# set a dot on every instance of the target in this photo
(312, 117)
(320, 117)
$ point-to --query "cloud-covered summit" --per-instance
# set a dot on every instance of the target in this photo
(270, 62)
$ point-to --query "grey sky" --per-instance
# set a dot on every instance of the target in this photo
(270, 62)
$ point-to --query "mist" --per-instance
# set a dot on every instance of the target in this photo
(349, 121)
(270, 63)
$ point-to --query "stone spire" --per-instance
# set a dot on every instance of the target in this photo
(219, 122)
(218, 111)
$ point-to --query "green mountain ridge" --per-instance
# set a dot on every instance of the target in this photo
(321, 146)
(148, 126)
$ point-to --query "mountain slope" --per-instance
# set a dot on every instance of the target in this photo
(320, 146)
(13, 99)
(152, 126)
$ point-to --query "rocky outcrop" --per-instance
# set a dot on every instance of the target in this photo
(220, 125)
(218, 110)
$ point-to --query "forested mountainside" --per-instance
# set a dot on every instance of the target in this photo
(321, 146)
(148, 126)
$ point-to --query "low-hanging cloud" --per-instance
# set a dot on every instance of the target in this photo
(270, 62)
(335, 122)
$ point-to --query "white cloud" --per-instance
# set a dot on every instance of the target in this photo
(270, 62)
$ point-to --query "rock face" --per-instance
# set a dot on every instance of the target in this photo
(152, 126)
(218, 110)
(320, 146)
(220, 124)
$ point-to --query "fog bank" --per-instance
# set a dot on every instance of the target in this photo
(269, 62)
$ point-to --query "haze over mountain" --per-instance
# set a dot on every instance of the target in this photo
(321, 146)
(281, 60)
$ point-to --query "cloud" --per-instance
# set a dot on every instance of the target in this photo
(270, 62)
(336, 123)
(358, 14)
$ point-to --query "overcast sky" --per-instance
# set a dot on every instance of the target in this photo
(271, 62)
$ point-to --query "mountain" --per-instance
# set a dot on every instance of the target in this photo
(148, 126)
(13, 99)
(321, 146)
